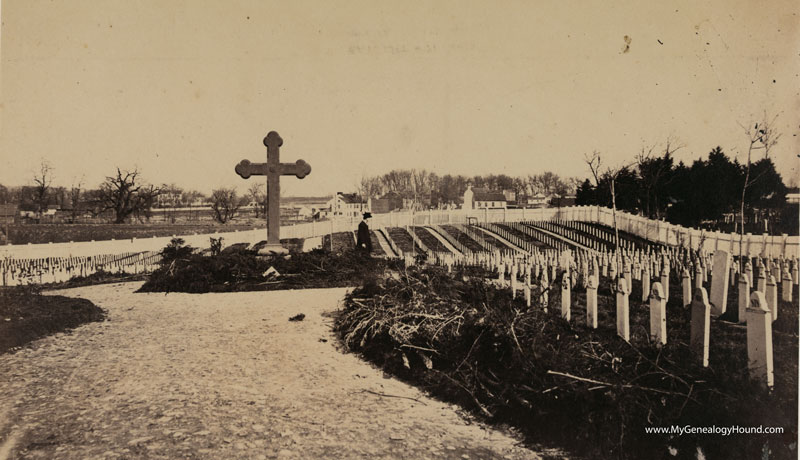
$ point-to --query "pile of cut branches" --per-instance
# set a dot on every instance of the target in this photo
(182, 269)
(563, 384)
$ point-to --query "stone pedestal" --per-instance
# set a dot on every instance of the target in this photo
(272, 249)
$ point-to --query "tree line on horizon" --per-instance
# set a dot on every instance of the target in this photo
(124, 196)
(696, 195)
(422, 186)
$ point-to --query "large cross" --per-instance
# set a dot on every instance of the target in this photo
(273, 169)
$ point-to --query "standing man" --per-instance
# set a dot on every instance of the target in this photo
(363, 241)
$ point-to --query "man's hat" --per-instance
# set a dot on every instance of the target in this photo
(367, 215)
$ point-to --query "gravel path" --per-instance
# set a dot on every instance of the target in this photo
(219, 376)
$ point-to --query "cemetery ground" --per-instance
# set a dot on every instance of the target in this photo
(223, 375)
(558, 382)
(455, 336)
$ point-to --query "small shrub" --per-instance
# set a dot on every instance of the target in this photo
(216, 246)
(175, 250)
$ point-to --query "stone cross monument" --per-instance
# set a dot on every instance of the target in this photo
(273, 169)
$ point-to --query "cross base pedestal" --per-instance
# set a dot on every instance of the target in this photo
(272, 249)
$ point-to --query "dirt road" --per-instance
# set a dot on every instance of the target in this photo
(219, 376)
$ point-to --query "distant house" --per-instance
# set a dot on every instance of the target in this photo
(346, 205)
(511, 197)
(322, 213)
(8, 212)
(51, 210)
(387, 203)
(305, 212)
(536, 201)
(168, 199)
(483, 198)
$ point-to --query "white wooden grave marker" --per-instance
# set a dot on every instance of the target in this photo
(700, 326)
(686, 288)
(719, 282)
(759, 340)
(566, 298)
(772, 297)
(744, 298)
(623, 311)
(591, 302)
(658, 315)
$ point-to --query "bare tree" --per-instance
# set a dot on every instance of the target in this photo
(225, 203)
(43, 179)
(419, 185)
(258, 195)
(594, 162)
(653, 170)
(75, 196)
(170, 198)
(122, 194)
(573, 183)
(370, 187)
(762, 136)
(146, 198)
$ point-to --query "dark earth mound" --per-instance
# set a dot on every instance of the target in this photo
(25, 315)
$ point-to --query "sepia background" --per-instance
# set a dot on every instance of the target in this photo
(183, 90)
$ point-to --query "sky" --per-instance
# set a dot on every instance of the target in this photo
(184, 90)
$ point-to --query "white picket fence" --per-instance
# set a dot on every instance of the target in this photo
(653, 230)
(782, 246)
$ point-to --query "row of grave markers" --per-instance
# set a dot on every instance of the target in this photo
(14, 272)
(757, 308)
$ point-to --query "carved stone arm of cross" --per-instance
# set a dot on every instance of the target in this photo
(299, 168)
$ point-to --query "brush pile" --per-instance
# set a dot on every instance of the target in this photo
(239, 269)
(565, 385)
